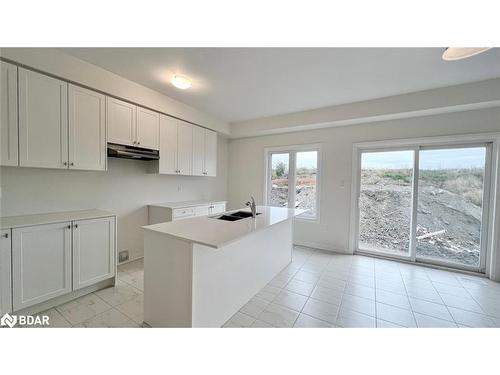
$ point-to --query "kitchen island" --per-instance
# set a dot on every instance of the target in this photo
(198, 272)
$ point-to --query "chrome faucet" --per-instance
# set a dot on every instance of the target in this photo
(252, 206)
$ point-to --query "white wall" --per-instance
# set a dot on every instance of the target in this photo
(126, 188)
(246, 165)
(464, 97)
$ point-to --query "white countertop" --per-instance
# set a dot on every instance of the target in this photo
(186, 204)
(50, 218)
(216, 233)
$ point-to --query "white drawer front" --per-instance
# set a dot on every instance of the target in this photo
(218, 208)
(202, 211)
(183, 212)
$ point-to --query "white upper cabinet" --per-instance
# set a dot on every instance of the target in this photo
(87, 129)
(168, 145)
(198, 151)
(210, 153)
(93, 251)
(41, 263)
(43, 120)
(148, 128)
(184, 148)
(204, 152)
(176, 146)
(5, 272)
(121, 119)
(9, 154)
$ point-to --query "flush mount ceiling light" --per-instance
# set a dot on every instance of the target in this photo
(459, 53)
(181, 82)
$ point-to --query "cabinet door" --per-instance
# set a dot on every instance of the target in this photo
(87, 129)
(185, 148)
(43, 121)
(218, 208)
(148, 128)
(168, 145)
(210, 153)
(8, 115)
(93, 251)
(5, 273)
(121, 120)
(41, 263)
(198, 151)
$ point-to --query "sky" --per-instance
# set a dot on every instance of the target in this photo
(305, 159)
(451, 158)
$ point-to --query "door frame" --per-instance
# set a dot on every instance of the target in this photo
(491, 217)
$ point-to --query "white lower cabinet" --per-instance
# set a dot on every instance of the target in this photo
(50, 260)
(164, 212)
(93, 251)
(41, 263)
(5, 272)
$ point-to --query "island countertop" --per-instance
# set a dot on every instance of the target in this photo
(215, 233)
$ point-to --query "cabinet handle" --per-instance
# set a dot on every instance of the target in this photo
(6, 235)
(71, 164)
(65, 163)
(76, 226)
(138, 143)
(69, 226)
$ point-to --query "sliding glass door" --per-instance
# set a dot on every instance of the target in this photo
(451, 185)
(426, 204)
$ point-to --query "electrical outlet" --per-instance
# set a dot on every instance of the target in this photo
(122, 256)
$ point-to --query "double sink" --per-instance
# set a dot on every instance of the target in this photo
(238, 215)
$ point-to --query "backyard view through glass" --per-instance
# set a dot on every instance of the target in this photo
(301, 193)
(305, 184)
(450, 201)
(385, 201)
(278, 195)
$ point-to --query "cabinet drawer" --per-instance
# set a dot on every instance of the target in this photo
(218, 208)
(202, 210)
(183, 212)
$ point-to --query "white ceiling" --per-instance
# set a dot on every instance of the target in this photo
(238, 84)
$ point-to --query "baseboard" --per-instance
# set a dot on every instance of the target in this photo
(131, 260)
(320, 246)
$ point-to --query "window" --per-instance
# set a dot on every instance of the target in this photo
(292, 179)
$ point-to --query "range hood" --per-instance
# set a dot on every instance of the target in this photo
(130, 152)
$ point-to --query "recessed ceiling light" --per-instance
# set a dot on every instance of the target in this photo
(459, 53)
(181, 82)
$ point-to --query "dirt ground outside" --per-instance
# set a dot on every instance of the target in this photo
(448, 213)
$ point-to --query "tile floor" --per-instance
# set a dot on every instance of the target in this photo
(319, 289)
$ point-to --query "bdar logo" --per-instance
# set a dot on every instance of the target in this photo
(8, 320)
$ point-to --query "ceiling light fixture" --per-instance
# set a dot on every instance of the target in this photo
(181, 82)
(459, 53)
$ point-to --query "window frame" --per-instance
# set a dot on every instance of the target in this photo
(292, 153)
